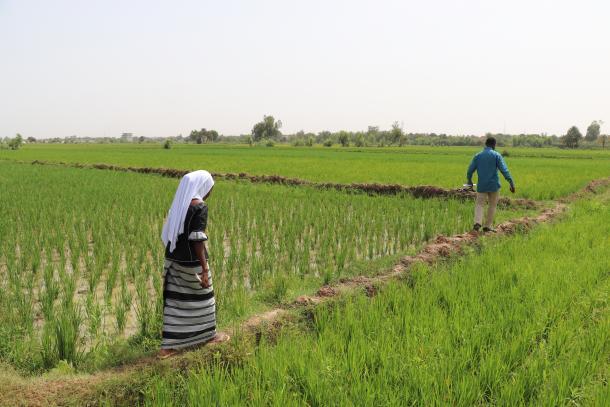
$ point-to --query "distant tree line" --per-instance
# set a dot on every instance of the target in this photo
(267, 132)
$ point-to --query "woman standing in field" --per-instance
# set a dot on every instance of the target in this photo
(189, 310)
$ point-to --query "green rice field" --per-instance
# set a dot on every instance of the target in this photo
(521, 319)
(96, 255)
(538, 173)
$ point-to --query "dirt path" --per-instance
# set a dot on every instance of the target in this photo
(47, 391)
(420, 191)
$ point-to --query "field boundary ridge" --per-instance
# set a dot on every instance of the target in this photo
(419, 191)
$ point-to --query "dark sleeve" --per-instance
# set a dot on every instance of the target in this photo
(198, 223)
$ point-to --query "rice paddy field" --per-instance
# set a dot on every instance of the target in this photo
(513, 320)
(542, 173)
(89, 251)
(518, 322)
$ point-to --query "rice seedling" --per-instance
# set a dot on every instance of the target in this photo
(67, 333)
(93, 311)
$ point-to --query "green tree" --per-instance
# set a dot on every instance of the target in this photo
(268, 128)
(344, 138)
(323, 136)
(196, 136)
(213, 136)
(593, 131)
(15, 144)
(572, 138)
(603, 139)
(203, 136)
(396, 133)
(372, 133)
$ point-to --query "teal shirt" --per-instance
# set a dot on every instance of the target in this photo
(486, 164)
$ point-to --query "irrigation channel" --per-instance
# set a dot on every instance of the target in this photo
(84, 389)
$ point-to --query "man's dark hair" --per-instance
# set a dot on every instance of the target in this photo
(490, 142)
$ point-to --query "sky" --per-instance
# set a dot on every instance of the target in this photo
(163, 68)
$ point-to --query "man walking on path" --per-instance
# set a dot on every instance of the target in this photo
(486, 164)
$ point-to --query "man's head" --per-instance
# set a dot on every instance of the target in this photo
(490, 142)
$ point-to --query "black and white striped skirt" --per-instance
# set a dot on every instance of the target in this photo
(189, 310)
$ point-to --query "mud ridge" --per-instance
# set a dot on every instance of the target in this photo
(420, 191)
(591, 188)
(443, 247)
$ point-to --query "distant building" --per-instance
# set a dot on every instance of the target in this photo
(127, 137)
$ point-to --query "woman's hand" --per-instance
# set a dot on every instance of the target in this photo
(200, 252)
(204, 280)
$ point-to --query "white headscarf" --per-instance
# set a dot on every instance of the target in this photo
(194, 185)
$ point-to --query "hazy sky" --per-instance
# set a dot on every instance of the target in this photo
(159, 68)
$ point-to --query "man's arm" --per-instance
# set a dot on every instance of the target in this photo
(505, 172)
(471, 168)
